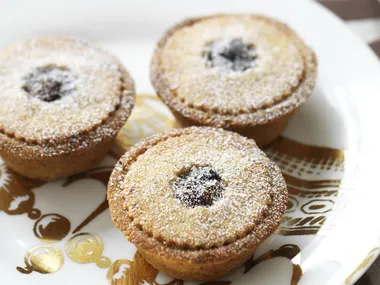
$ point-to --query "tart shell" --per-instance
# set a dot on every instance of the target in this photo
(263, 125)
(192, 264)
(56, 159)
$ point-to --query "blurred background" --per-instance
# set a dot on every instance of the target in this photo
(361, 16)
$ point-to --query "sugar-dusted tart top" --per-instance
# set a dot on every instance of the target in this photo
(196, 188)
(53, 88)
(232, 69)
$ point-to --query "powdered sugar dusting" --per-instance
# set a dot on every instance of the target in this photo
(277, 71)
(49, 83)
(151, 205)
(230, 56)
(91, 92)
(198, 186)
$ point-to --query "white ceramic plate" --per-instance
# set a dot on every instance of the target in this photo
(330, 234)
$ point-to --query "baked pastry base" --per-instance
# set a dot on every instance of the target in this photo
(51, 168)
(262, 134)
(186, 263)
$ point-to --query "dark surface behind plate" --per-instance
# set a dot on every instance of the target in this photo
(360, 10)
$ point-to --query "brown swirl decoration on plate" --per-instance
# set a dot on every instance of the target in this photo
(311, 195)
(42, 259)
(150, 116)
(288, 250)
(16, 196)
(87, 248)
(298, 159)
(100, 174)
(137, 271)
(51, 228)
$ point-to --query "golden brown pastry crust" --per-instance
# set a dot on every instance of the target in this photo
(48, 158)
(187, 260)
(263, 124)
